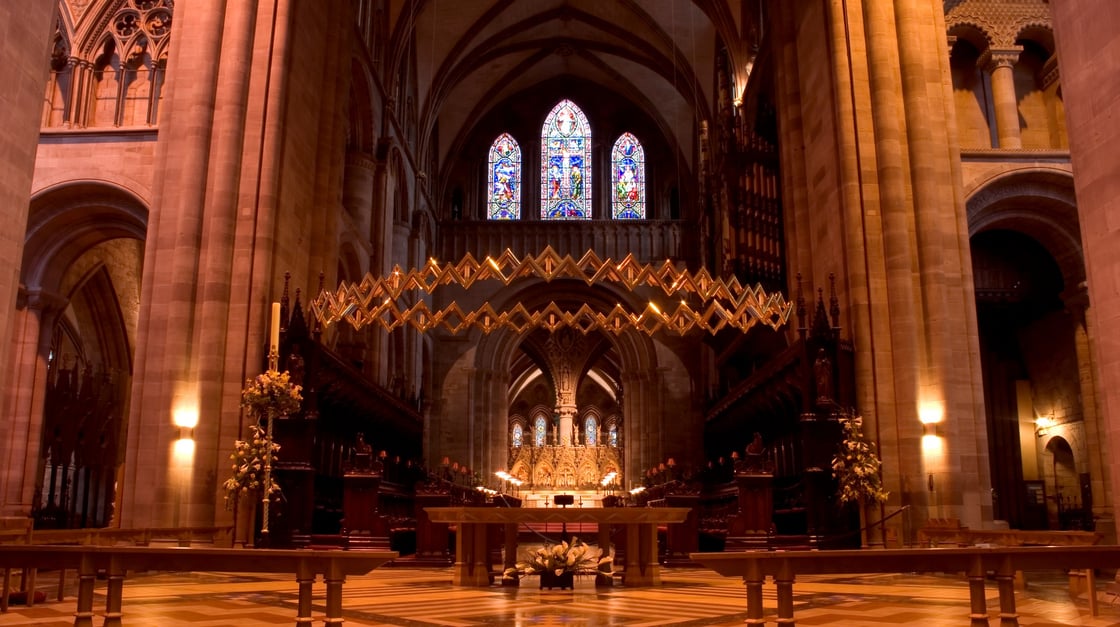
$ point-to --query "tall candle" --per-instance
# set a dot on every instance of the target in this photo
(274, 336)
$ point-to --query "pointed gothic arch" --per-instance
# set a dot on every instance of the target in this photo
(503, 201)
(628, 178)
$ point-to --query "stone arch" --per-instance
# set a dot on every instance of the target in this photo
(973, 32)
(104, 97)
(1059, 470)
(67, 220)
(1028, 276)
(1039, 203)
(80, 277)
(637, 356)
(1039, 32)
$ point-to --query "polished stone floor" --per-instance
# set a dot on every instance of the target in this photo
(416, 597)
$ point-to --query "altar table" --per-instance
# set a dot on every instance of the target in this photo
(472, 560)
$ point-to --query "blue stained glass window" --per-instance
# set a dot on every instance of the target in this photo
(518, 435)
(540, 429)
(628, 168)
(566, 164)
(504, 201)
(591, 431)
(613, 436)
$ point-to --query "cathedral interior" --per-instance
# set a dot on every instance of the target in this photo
(924, 190)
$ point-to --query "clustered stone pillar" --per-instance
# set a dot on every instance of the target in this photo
(999, 64)
(567, 419)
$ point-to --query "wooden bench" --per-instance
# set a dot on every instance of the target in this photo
(116, 561)
(976, 562)
(933, 535)
(25, 534)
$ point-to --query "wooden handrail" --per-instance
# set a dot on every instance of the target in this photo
(117, 561)
(975, 562)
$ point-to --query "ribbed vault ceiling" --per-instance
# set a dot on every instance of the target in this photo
(474, 54)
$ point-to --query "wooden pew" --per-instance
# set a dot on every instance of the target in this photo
(976, 562)
(117, 561)
(25, 534)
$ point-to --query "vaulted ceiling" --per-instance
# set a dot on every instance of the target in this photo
(474, 54)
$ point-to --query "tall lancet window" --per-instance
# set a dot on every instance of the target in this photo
(504, 202)
(591, 431)
(518, 434)
(540, 431)
(566, 164)
(628, 167)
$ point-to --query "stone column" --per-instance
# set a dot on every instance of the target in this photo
(1088, 49)
(194, 336)
(1078, 306)
(895, 424)
(25, 46)
(34, 324)
(1000, 65)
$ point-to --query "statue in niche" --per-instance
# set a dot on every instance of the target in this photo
(822, 373)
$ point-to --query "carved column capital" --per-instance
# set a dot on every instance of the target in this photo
(41, 301)
(995, 58)
(359, 159)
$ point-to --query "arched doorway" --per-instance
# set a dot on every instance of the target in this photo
(1030, 305)
(82, 264)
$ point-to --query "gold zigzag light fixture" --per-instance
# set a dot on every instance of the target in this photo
(723, 303)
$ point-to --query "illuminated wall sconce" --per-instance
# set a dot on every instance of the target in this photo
(931, 416)
(186, 420)
(931, 413)
(1042, 425)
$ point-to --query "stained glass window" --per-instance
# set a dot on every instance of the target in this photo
(540, 429)
(518, 435)
(566, 164)
(504, 202)
(628, 168)
(613, 436)
(591, 431)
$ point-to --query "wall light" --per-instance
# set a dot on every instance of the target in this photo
(932, 446)
(186, 419)
(1042, 425)
(183, 450)
(931, 413)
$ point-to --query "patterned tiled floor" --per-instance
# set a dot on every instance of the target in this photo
(414, 597)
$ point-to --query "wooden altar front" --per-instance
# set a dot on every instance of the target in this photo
(472, 557)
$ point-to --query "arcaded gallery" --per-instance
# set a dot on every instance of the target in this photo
(595, 312)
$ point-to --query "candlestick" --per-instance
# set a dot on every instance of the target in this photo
(274, 339)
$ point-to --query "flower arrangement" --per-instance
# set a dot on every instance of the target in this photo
(271, 393)
(268, 395)
(248, 467)
(856, 466)
(557, 559)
